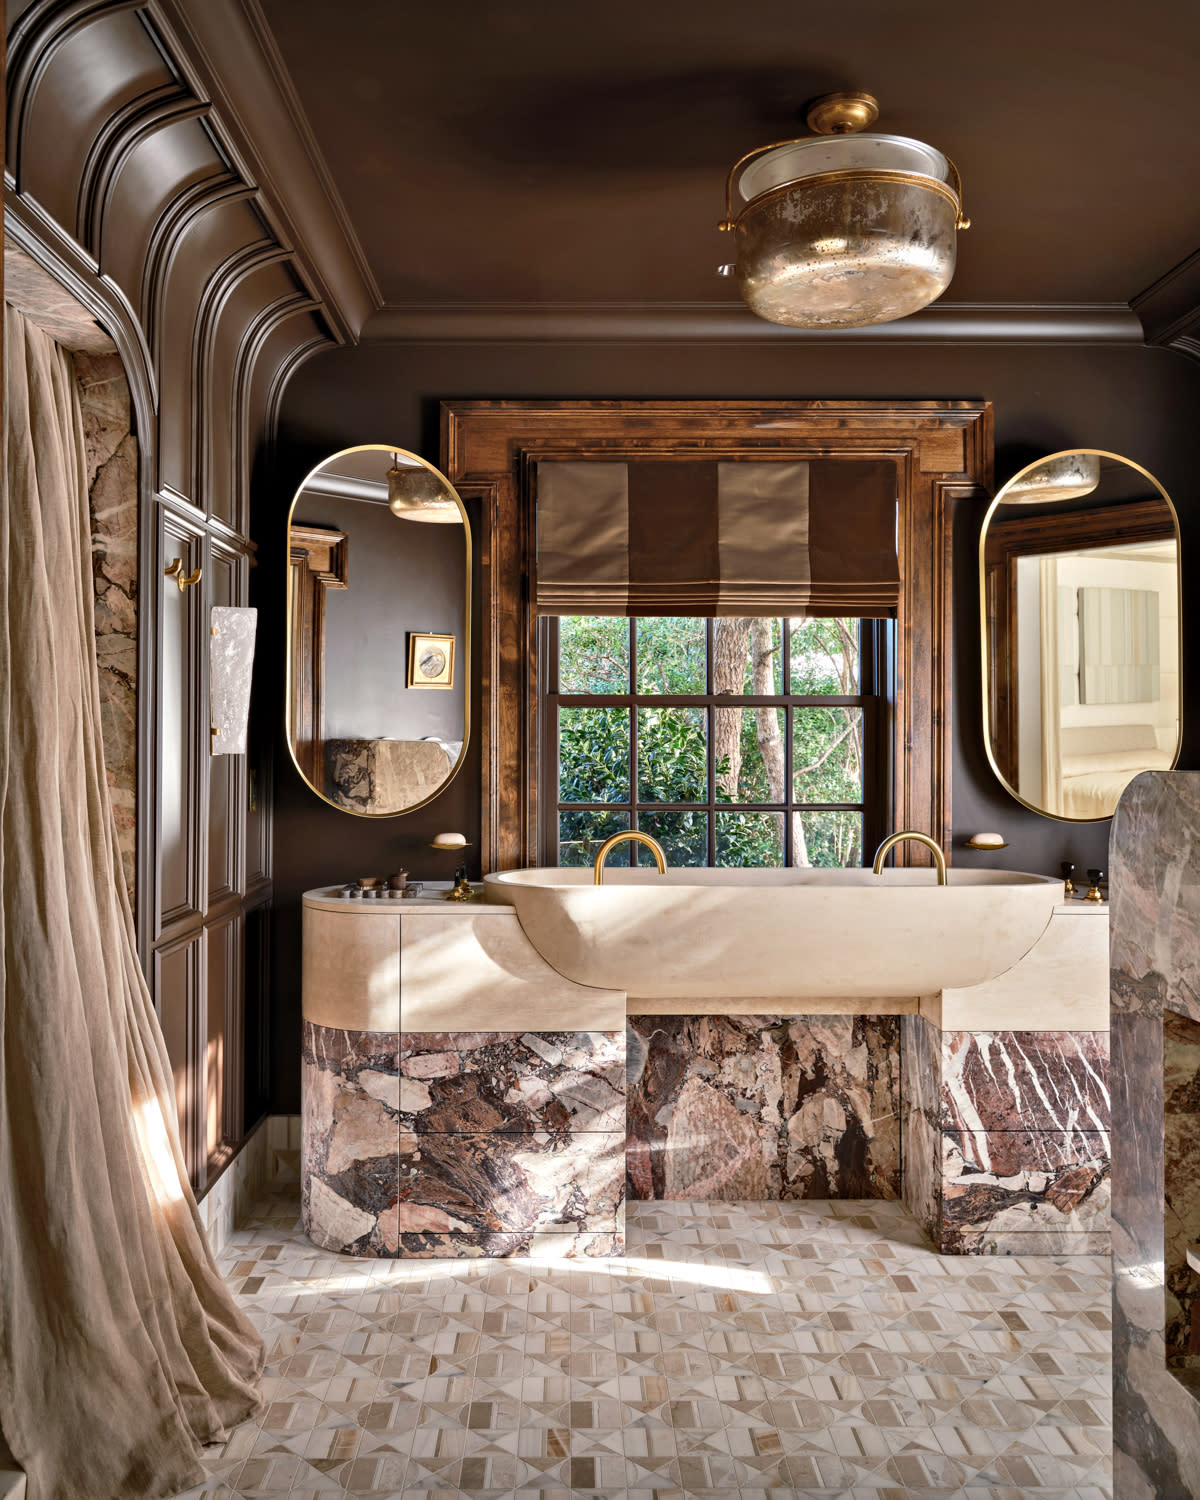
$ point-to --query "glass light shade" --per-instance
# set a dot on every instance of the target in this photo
(846, 231)
(419, 494)
(1067, 476)
(840, 153)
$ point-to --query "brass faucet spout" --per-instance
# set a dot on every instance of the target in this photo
(606, 848)
(889, 844)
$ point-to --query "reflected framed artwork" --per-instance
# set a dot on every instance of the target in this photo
(430, 660)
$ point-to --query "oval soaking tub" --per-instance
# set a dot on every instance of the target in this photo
(779, 933)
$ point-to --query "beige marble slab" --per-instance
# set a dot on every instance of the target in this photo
(351, 973)
(773, 1005)
(1060, 985)
(465, 970)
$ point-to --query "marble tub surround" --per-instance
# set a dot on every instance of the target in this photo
(719, 933)
(463, 1144)
(1007, 1139)
(1154, 862)
(763, 1107)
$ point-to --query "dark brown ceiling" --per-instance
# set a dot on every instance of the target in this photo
(557, 151)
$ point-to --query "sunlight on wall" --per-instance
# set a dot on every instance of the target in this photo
(158, 1160)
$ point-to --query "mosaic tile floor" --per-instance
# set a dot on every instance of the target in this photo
(753, 1351)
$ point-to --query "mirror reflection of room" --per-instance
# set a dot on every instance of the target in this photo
(377, 630)
(1082, 602)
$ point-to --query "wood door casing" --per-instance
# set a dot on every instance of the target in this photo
(943, 452)
(318, 560)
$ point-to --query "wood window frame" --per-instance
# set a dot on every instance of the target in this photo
(871, 700)
(489, 450)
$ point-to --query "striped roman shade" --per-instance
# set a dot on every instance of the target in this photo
(709, 538)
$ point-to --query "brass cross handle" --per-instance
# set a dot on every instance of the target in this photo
(184, 581)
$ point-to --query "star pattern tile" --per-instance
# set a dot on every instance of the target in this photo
(747, 1351)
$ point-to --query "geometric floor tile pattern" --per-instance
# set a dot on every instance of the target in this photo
(752, 1351)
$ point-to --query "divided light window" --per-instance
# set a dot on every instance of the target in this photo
(731, 741)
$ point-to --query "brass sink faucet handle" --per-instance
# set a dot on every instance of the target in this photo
(889, 844)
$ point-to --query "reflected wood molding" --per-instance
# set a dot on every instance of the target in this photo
(318, 559)
(1024, 535)
(942, 450)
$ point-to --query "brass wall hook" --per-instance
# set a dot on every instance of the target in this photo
(175, 571)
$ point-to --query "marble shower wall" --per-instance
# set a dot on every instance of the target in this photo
(112, 472)
(1154, 857)
(464, 1143)
(763, 1107)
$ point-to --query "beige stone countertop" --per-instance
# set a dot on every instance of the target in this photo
(432, 898)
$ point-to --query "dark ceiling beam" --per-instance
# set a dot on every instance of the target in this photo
(1169, 309)
(230, 53)
(730, 322)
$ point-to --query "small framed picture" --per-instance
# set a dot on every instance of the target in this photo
(430, 660)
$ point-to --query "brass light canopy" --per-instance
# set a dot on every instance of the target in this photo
(843, 228)
(419, 493)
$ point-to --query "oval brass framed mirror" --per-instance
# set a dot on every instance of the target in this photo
(1079, 587)
(378, 630)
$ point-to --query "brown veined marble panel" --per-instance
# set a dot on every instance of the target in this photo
(921, 1129)
(998, 1187)
(350, 1137)
(1025, 1080)
(112, 472)
(1181, 1181)
(498, 1194)
(762, 1107)
(512, 1082)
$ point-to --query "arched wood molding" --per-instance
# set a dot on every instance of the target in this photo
(193, 217)
(943, 453)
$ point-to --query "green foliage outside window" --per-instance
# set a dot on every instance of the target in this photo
(672, 742)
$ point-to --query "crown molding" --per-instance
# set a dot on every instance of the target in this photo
(1169, 308)
(732, 323)
(233, 61)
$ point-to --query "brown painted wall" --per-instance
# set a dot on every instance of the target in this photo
(1135, 401)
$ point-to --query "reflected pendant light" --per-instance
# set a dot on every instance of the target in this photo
(843, 228)
(1066, 476)
(417, 492)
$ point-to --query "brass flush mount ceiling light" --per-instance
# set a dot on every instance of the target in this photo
(843, 228)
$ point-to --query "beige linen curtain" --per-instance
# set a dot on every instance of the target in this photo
(121, 1350)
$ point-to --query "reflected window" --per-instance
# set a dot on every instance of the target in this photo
(734, 742)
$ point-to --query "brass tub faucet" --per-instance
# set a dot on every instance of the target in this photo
(889, 844)
(606, 848)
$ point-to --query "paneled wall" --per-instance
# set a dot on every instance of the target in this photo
(142, 140)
